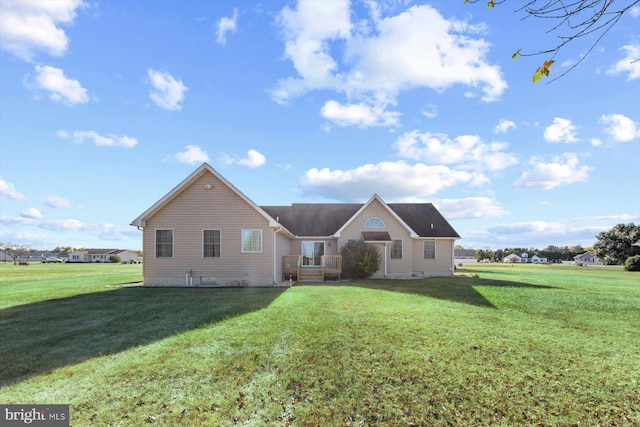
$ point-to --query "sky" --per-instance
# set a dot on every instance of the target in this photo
(105, 106)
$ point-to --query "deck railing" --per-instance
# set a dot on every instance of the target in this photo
(291, 266)
(331, 265)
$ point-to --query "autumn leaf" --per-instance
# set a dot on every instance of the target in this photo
(490, 4)
(543, 70)
(515, 54)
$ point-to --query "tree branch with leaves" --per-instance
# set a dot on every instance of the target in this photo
(570, 20)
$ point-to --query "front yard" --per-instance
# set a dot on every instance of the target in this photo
(517, 345)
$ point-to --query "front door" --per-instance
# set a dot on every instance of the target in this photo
(312, 253)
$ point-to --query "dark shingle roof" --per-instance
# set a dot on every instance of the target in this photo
(313, 219)
(376, 236)
(424, 219)
(324, 219)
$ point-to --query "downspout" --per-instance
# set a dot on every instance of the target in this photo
(452, 269)
(386, 244)
(275, 254)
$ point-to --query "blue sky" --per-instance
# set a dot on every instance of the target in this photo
(105, 106)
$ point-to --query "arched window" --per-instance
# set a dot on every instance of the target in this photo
(374, 223)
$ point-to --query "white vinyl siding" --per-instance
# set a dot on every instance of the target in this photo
(251, 241)
(211, 243)
(164, 243)
(196, 209)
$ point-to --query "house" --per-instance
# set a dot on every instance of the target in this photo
(92, 255)
(524, 258)
(587, 258)
(5, 257)
(512, 258)
(537, 259)
(206, 232)
(465, 256)
(127, 256)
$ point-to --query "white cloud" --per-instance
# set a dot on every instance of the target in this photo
(562, 130)
(192, 154)
(596, 142)
(431, 111)
(620, 127)
(470, 207)
(562, 170)
(61, 89)
(467, 150)
(629, 64)
(57, 202)
(167, 92)
(30, 26)
(635, 11)
(556, 232)
(254, 159)
(110, 140)
(226, 25)
(504, 126)
(31, 213)
(52, 224)
(609, 218)
(360, 114)
(9, 190)
(384, 56)
(391, 180)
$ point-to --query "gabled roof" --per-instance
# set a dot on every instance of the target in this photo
(375, 197)
(322, 219)
(140, 221)
(328, 219)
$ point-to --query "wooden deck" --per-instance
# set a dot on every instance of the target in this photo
(293, 270)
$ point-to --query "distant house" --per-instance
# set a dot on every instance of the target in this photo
(464, 256)
(91, 255)
(587, 258)
(524, 258)
(126, 256)
(5, 257)
(31, 256)
(206, 232)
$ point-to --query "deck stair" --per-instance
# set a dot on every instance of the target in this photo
(311, 275)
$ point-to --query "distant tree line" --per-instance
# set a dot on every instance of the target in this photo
(613, 247)
(552, 253)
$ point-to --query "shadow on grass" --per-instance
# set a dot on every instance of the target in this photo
(456, 289)
(37, 338)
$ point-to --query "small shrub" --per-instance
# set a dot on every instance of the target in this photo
(632, 263)
(114, 259)
(359, 260)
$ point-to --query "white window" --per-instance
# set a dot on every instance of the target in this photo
(251, 241)
(164, 243)
(374, 223)
(211, 243)
(396, 249)
(429, 249)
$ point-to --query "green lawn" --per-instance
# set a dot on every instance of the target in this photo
(516, 345)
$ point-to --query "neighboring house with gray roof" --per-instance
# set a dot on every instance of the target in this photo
(91, 255)
(587, 258)
(206, 232)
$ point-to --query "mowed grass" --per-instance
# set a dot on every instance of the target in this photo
(523, 345)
